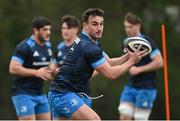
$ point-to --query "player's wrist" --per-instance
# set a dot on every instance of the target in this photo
(125, 57)
(35, 73)
(130, 62)
(140, 69)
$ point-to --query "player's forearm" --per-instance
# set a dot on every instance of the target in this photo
(154, 65)
(119, 70)
(94, 74)
(118, 60)
(21, 71)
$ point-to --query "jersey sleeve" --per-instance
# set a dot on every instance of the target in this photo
(94, 55)
(155, 51)
(21, 53)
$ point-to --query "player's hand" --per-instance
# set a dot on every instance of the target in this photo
(134, 70)
(54, 69)
(44, 73)
(136, 56)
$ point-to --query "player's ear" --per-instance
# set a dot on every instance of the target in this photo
(84, 25)
(77, 30)
(139, 26)
(35, 30)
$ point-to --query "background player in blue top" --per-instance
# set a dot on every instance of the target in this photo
(139, 94)
(85, 56)
(69, 31)
(29, 65)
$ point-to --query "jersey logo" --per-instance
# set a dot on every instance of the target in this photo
(74, 102)
(77, 40)
(59, 53)
(67, 110)
(23, 109)
(49, 52)
(61, 62)
(36, 54)
(72, 48)
(64, 57)
(43, 59)
(145, 104)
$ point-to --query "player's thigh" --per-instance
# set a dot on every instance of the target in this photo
(85, 113)
(42, 108)
(43, 116)
(24, 106)
(29, 117)
(61, 118)
(145, 99)
(63, 105)
(85, 99)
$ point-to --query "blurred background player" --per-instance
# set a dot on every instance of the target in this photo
(85, 56)
(29, 65)
(69, 31)
(139, 94)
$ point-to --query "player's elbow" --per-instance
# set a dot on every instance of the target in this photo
(12, 70)
(160, 63)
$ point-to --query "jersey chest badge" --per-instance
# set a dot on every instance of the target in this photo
(43, 59)
(35, 54)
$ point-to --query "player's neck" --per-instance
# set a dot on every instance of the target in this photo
(91, 38)
(36, 39)
(70, 41)
(138, 34)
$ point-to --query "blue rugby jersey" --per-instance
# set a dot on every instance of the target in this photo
(81, 60)
(60, 53)
(146, 80)
(33, 56)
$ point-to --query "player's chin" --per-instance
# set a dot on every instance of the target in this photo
(66, 37)
(98, 36)
(130, 35)
(46, 39)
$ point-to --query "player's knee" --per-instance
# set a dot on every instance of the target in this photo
(126, 111)
(142, 115)
(125, 117)
(94, 117)
(27, 117)
(97, 118)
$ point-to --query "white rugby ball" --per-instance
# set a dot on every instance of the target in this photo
(134, 43)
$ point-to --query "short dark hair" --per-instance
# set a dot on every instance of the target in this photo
(92, 12)
(132, 18)
(70, 20)
(39, 22)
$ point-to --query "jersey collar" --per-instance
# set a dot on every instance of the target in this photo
(47, 43)
(87, 35)
(140, 35)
